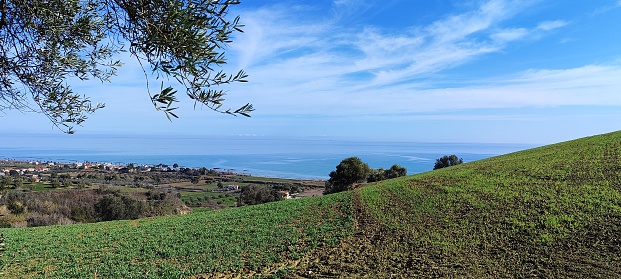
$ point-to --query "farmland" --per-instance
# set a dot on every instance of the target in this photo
(553, 211)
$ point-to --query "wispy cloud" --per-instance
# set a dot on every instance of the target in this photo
(551, 25)
(325, 67)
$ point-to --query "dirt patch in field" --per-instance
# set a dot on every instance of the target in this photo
(311, 193)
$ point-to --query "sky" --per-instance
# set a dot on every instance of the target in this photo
(497, 71)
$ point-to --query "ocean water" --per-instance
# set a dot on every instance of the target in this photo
(300, 158)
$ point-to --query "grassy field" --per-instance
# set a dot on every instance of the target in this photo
(553, 211)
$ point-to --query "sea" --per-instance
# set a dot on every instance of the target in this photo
(309, 158)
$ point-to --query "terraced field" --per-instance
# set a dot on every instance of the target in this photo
(553, 211)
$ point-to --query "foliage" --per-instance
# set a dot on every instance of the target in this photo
(46, 45)
(5, 182)
(254, 194)
(351, 170)
(118, 207)
(447, 161)
(382, 174)
(15, 207)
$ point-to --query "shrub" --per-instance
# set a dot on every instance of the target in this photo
(447, 161)
(117, 207)
(15, 207)
(253, 194)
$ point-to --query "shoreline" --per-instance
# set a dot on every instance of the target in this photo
(162, 167)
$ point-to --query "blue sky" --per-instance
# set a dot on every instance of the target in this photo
(531, 71)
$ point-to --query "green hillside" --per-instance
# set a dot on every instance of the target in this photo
(553, 211)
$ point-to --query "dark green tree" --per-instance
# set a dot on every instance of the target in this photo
(18, 182)
(253, 194)
(195, 179)
(395, 171)
(5, 182)
(447, 161)
(45, 45)
(117, 207)
(382, 174)
(376, 175)
(350, 171)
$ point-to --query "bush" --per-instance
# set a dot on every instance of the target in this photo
(117, 207)
(447, 161)
(253, 194)
(382, 174)
(15, 207)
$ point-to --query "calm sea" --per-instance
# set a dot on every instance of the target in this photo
(300, 158)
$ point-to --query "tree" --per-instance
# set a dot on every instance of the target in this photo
(48, 44)
(18, 182)
(395, 171)
(349, 171)
(195, 179)
(117, 207)
(382, 174)
(447, 161)
(376, 175)
(253, 194)
(5, 183)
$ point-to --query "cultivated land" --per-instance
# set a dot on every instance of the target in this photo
(553, 211)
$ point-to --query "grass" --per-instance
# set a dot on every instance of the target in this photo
(553, 211)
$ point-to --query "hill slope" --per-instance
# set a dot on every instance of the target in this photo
(553, 211)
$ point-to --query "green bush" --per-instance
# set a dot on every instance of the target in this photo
(117, 207)
(15, 207)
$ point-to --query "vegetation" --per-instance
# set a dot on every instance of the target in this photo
(349, 171)
(262, 240)
(46, 44)
(68, 206)
(60, 194)
(352, 170)
(118, 207)
(382, 174)
(553, 211)
(447, 161)
(253, 194)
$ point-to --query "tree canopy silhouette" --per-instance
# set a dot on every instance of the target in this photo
(47, 45)
(447, 161)
(349, 171)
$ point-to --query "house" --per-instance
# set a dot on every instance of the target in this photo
(284, 195)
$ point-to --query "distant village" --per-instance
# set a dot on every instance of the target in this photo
(83, 174)
(33, 169)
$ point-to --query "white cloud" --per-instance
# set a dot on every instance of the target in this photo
(319, 67)
(510, 34)
(551, 25)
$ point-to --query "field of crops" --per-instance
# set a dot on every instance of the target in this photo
(550, 212)
(265, 239)
(553, 211)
